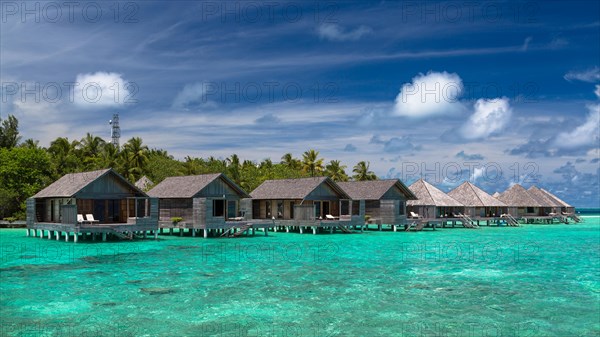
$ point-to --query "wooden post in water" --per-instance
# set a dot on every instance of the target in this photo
(66, 236)
(205, 233)
(75, 236)
(104, 237)
(57, 235)
(314, 230)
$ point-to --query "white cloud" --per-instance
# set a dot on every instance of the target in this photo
(586, 134)
(490, 117)
(192, 94)
(335, 32)
(597, 91)
(102, 89)
(589, 75)
(432, 94)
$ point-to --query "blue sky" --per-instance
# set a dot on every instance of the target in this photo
(494, 92)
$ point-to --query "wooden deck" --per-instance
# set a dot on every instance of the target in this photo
(76, 231)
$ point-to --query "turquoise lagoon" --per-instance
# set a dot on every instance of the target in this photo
(534, 280)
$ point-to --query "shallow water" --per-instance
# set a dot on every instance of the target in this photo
(534, 280)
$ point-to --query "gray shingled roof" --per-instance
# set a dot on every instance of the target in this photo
(143, 183)
(517, 196)
(542, 197)
(189, 186)
(472, 196)
(69, 184)
(374, 189)
(293, 188)
(557, 199)
(430, 195)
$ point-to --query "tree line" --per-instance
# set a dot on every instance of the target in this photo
(26, 167)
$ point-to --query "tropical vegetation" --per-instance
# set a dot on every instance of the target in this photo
(26, 167)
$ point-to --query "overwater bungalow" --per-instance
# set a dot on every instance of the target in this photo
(385, 200)
(519, 202)
(90, 203)
(432, 202)
(548, 206)
(303, 203)
(199, 202)
(477, 202)
(301, 199)
(564, 207)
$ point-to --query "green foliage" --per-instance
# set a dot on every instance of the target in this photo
(9, 132)
(11, 219)
(311, 163)
(176, 219)
(362, 172)
(23, 173)
(336, 171)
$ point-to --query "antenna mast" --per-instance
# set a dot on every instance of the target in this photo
(115, 131)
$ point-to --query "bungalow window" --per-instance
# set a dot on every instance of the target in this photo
(530, 210)
(317, 208)
(401, 207)
(291, 209)
(218, 208)
(344, 207)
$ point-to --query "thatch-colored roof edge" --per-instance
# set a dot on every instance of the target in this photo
(349, 188)
(164, 189)
(438, 197)
(553, 196)
(270, 189)
(483, 199)
(70, 184)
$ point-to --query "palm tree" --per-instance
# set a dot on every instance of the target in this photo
(136, 156)
(311, 163)
(91, 145)
(191, 166)
(109, 157)
(361, 172)
(290, 162)
(30, 144)
(233, 168)
(64, 157)
(336, 171)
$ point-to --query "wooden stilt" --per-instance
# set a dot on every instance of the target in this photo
(170, 231)
(394, 228)
(57, 235)
(301, 231)
(103, 237)
(314, 230)
(75, 237)
(205, 233)
(66, 236)
(331, 230)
